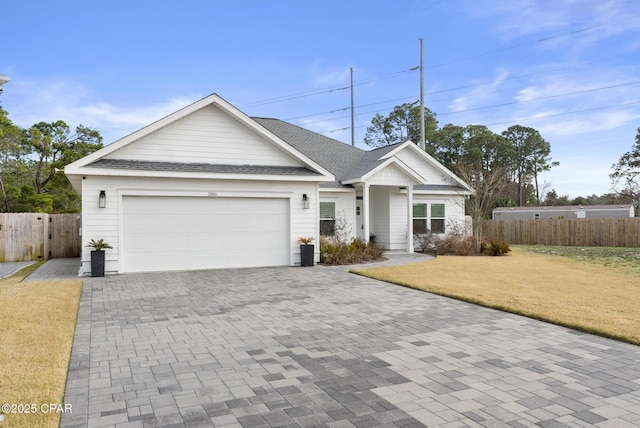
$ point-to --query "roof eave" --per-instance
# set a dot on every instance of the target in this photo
(104, 172)
(461, 192)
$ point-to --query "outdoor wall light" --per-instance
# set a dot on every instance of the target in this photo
(305, 201)
(102, 199)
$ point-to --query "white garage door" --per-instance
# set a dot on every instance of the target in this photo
(179, 233)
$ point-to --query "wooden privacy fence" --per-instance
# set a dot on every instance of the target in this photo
(608, 232)
(38, 236)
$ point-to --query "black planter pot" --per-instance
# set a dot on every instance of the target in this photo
(306, 255)
(97, 263)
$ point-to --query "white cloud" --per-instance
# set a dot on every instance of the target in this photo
(330, 75)
(586, 124)
(64, 100)
(478, 95)
(579, 175)
(560, 20)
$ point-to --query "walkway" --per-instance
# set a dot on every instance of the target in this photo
(56, 269)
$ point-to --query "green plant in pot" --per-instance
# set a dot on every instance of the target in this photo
(97, 256)
(306, 251)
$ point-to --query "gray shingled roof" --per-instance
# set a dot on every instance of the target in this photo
(369, 161)
(345, 162)
(342, 160)
(337, 157)
(200, 167)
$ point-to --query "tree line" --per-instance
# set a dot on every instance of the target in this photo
(509, 164)
(31, 176)
(504, 169)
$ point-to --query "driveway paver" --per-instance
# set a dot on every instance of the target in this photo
(9, 268)
(55, 269)
(317, 346)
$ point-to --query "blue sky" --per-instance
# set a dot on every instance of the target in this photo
(570, 69)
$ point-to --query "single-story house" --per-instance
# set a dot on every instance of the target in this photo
(563, 212)
(210, 187)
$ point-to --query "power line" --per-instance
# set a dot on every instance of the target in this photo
(564, 113)
(293, 97)
(311, 93)
(493, 105)
(346, 108)
(525, 119)
(541, 98)
(545, 39)
(402, 72)
(460, 88)
(520, 76)
(317, 114)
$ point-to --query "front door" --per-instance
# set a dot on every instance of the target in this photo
(359, 226)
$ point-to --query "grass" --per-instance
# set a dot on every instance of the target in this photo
(599, 293)
(37, 323)
(627, 259)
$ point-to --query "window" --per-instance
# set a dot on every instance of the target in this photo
(437, 218)
(327, 218)
(419, 218)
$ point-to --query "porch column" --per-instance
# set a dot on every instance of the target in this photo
(409, 219)
(365, 211)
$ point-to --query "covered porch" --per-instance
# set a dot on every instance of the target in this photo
(384, 213)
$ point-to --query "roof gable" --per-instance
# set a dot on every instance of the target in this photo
(208, 131)
(425, 165)
(392, 172)
(208, 135)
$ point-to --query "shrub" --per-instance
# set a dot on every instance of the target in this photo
(457, 244)
(423, 242)
(334, 252)
(495, 248)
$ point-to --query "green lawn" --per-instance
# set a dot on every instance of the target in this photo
(627, 259)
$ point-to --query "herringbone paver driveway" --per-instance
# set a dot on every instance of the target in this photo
(320, 347)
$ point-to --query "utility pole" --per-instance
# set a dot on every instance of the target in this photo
(422, 137)
(353, 129)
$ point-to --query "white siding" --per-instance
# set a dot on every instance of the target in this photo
(106, 222)
(422, 167)
(345, 208)
(391, 175)
(454, 215)
(453, 209)
(206, 136)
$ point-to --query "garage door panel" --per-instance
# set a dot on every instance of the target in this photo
(176, 233)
